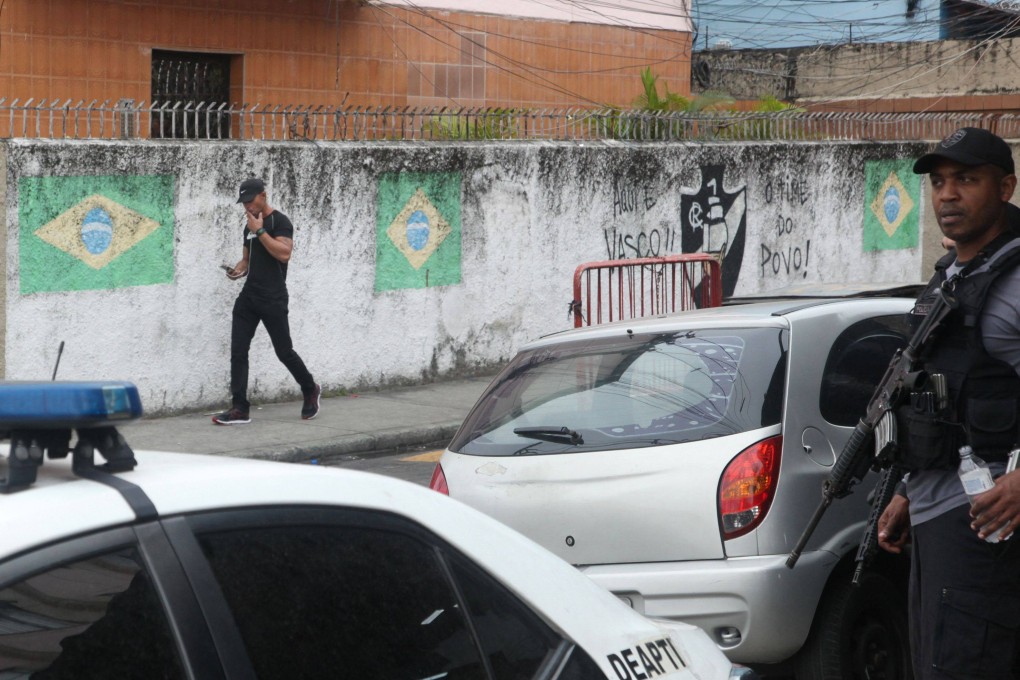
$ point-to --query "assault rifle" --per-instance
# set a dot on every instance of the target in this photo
(854, 460)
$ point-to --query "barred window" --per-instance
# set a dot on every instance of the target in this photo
(181, 83)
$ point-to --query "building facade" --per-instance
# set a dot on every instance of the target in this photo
(939, 76)
(919, 56)
(457, 53)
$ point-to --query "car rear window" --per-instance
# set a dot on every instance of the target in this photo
(629, 391)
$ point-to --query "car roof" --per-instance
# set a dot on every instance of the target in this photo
(61, 506)
(179, 483)
(771, 313)
(805, 291)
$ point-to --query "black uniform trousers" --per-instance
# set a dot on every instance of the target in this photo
(964, 601)
(249, 309)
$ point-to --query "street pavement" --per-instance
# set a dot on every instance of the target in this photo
(361, 424)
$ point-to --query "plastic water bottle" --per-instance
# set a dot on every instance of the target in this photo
(976, 479)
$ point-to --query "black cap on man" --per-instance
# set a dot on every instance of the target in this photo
(969, 146)
(250, 188)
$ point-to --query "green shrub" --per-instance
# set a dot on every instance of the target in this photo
(466, 125)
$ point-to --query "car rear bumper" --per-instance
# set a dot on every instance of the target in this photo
(754, 608)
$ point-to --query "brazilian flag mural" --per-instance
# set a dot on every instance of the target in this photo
(891, 195)
(96, 232)
(417, 230)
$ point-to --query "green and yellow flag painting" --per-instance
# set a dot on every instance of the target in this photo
(417, 230)
(891, 195)
(98, 232)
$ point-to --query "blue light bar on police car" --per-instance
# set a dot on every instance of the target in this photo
(65, 404)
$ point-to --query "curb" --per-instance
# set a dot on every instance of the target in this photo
(357, 446)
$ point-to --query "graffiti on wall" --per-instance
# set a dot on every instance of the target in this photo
(713, 219)
(95, 232)
(785, 250)
(629, 200)
(891, 196)
(791, 240)
(418, 230)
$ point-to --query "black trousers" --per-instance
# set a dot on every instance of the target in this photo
(249, 310)
(964, 601)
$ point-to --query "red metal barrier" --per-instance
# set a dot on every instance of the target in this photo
(615, 290)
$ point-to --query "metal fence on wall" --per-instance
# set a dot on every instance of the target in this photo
(126, 119)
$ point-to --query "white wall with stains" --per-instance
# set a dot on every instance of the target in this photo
(529, 214)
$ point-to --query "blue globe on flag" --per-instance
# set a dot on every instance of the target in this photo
(891, 204)
(97, 231)
(417, 230)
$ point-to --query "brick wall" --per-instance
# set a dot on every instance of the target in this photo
(317, 52)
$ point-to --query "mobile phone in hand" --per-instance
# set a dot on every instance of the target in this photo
(227, 267)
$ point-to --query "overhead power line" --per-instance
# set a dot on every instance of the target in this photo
(812, 18)
(529, 72)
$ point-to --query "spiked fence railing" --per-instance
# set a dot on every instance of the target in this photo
(126, 119)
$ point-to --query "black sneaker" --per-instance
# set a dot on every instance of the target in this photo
(232, 417)
(311, 405)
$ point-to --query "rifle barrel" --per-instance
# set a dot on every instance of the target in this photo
(836, 486)
(794, 555)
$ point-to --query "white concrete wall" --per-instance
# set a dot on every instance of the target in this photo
(875, 70)
(530, 213)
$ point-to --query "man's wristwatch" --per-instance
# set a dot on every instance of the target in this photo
(261, 231)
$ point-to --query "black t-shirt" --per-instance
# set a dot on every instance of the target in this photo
(266, 274)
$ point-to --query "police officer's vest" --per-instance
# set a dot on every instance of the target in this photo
(984, 392)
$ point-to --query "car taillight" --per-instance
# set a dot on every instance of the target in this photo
(747, 487)
(438, 482)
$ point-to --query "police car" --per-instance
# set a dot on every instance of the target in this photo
(124, 564)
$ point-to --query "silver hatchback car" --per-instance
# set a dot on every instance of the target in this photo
(676, 461)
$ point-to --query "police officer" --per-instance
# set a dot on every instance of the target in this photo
(964, 594)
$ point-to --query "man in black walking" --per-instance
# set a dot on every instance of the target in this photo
(268, 242)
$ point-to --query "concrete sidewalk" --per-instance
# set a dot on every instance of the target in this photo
(363, 424)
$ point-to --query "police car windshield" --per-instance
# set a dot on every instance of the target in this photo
(631, 391)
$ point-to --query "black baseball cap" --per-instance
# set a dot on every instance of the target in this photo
(250, 188)
(969, 146)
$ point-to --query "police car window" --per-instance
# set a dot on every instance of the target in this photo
(855, 365)
(342, 601)
(515, 641)
(96, 618)
(579, 667)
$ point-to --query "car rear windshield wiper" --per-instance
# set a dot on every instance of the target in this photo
(557, 435)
